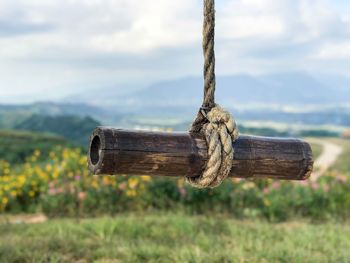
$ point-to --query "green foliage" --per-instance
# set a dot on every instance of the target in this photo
(317, 133)
(8, 120)
(316, 150)
(342, 165)
(63, 187)
(272, 132)
(16, 146)
(263, 131)
(173, 238)
(12, 115)
(74, 128)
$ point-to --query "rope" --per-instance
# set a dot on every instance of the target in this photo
(216, 124)
(209, 63)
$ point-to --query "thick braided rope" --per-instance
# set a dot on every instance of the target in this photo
(216, 124)
(220, 133)
(209, 63)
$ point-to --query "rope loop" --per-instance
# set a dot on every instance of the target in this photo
(220, 132)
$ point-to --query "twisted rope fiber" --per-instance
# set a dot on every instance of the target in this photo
(216, 124)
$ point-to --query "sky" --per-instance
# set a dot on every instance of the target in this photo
(50, 49)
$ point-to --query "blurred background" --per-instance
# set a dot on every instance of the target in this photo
(71, 65)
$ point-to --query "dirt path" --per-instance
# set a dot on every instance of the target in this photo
(328, 157)
(23, 219)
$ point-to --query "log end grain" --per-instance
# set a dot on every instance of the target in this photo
(96, 152)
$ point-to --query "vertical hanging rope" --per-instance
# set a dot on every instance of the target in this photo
(216, 124)
(209, 54)
(209, 64)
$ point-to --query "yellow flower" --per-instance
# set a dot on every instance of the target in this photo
(52, 155)
(48, 168)
(94, 184)
(180, 182)
(131, 193)
(65, 154)
(106, 180)
(142, 187)
(63, 164)
(21, 180)
(31, 193)
(248, 185)
(83, 160)
(267, 202)
(37, 169)
(37, 153)
(55, 173)
(5, 200)
(6, 178)
(146, 178)
(133, 182)
(13, 193)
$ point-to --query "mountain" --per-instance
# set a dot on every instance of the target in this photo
(279, 89)
(185, 94)
(74, 128)
(71, 121)
(286, 97)
(53, 108)
(12, 115)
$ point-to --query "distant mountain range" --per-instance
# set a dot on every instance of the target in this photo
(296, 89)
(293, 98)
(11, 115)
(52, 108)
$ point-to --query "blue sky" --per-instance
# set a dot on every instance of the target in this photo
(50, 49)
(342, 6)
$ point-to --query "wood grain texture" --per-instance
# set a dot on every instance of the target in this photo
(115, 151)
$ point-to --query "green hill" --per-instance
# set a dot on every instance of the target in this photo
(74, 128)
(16, 146)
(71, 121)
(12, 115)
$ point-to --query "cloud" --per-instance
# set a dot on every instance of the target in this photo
(8, 28)
(83, 43)
(334, 51)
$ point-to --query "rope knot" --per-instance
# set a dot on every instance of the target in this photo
(220, 132)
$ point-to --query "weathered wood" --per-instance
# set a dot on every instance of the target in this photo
(114, 151)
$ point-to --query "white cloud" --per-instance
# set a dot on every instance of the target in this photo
(249, 19)
(334, 51)
(112, 26)
(164, 24)
(113, 41)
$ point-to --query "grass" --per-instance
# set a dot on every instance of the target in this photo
(173, 238)
(316, 150)
(342, 165)
(16, 146)
(169, 237)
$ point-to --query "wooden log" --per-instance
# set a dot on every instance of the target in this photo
(115, 151)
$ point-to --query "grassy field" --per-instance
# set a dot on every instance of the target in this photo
(316, 150)
(16, 146)
(342, 165)
(173, 238)
(168, 237)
